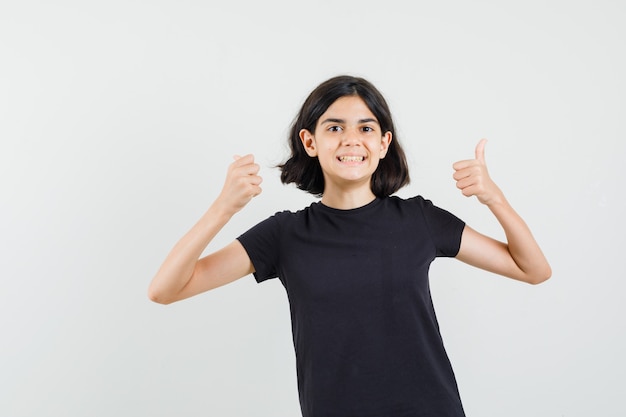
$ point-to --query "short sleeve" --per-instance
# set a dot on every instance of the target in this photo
(261, 242)
(444, 227)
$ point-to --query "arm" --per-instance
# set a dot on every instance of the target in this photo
(183, 274)
(520, 257)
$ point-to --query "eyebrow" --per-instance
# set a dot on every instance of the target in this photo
(342, 121)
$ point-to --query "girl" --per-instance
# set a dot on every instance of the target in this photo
(355, 264)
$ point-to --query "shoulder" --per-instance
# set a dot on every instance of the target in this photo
(420, 206)
(443, 227)
(286, 218)
(294, 215)
(415, 201)
(411, 203)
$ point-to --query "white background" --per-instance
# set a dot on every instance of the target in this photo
(118, 120)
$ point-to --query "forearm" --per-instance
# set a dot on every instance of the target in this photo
(179, 265)
(521, 244)
(179, 270)
(520, 257)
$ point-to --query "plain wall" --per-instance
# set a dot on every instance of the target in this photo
(118, 120)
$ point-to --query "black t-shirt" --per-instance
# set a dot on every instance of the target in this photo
(365, 333)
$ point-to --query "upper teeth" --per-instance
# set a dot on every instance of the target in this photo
(351, 158)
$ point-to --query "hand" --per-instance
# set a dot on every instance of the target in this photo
(472, 178)
(241, 185)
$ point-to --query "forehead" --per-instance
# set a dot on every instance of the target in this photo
(348, 108)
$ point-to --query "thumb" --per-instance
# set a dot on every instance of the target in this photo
(480, 151)
(235, 157)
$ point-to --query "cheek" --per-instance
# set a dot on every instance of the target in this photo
(328, 150)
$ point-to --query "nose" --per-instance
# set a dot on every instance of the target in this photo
(351, 137)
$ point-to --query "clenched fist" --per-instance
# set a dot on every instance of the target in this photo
(241, 185)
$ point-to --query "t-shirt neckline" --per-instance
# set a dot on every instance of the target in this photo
(355, 210)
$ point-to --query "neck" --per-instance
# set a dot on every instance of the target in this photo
(347, 200)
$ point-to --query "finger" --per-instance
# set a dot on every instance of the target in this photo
(255, 180)
(459, 165)
(252, 191)
(480, 151)
(240, 161)
(460, 174)
(465, 182)
(248, 169)
(466, 168)
(469, 191)
(244, 158)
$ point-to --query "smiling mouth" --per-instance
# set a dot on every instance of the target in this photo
(351, 158)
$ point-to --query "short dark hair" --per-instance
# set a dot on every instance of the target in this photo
(392, 172)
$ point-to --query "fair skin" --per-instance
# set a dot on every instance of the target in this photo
(349, 144)
(520, 257)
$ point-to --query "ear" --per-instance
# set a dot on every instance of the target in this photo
(308, 141)
(385, 141)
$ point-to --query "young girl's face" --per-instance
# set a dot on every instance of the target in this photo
(348, 142)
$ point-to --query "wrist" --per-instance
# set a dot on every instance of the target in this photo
(499, 205)
(220, 212)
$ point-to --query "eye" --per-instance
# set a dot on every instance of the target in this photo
(367, 129)
(334, 128)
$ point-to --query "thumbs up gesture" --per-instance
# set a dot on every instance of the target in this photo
(473, 179)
